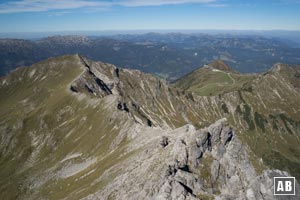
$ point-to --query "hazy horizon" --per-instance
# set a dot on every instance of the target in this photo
(283, 34)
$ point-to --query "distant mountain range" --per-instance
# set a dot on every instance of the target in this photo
(170, 55)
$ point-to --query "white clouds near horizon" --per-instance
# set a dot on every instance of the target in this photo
(19, 6)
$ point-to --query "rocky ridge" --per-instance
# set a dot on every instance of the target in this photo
(186, 163)
(264, 109)
(72, 128)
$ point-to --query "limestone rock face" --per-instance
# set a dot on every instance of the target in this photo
(194, 164)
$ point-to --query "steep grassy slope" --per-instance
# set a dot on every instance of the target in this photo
(213, 79)
(67, 120)
(48, 134)
(266, 107)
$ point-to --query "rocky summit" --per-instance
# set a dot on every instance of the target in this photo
(72, 128)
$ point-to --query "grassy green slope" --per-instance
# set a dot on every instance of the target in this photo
(265, 107)
(43, 124)
(213, 79)
(64, 123)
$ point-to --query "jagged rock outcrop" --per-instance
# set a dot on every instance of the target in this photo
(194, 164)
(230, 174)
(263, 107)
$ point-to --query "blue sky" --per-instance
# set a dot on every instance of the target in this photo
(86, 15)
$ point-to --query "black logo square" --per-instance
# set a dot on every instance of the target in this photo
(284, 185)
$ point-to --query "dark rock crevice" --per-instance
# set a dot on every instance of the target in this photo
(123, 107)
(149, 122)
(100, 83)
(229, 137)
(117, 72)
(188, 189)
(73, 89)
(88, 88)
(138, 111)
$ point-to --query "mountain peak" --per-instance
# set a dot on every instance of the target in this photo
(67, 39)
(290, 73)
(220, 65)
(279, 67)
(285, 69)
